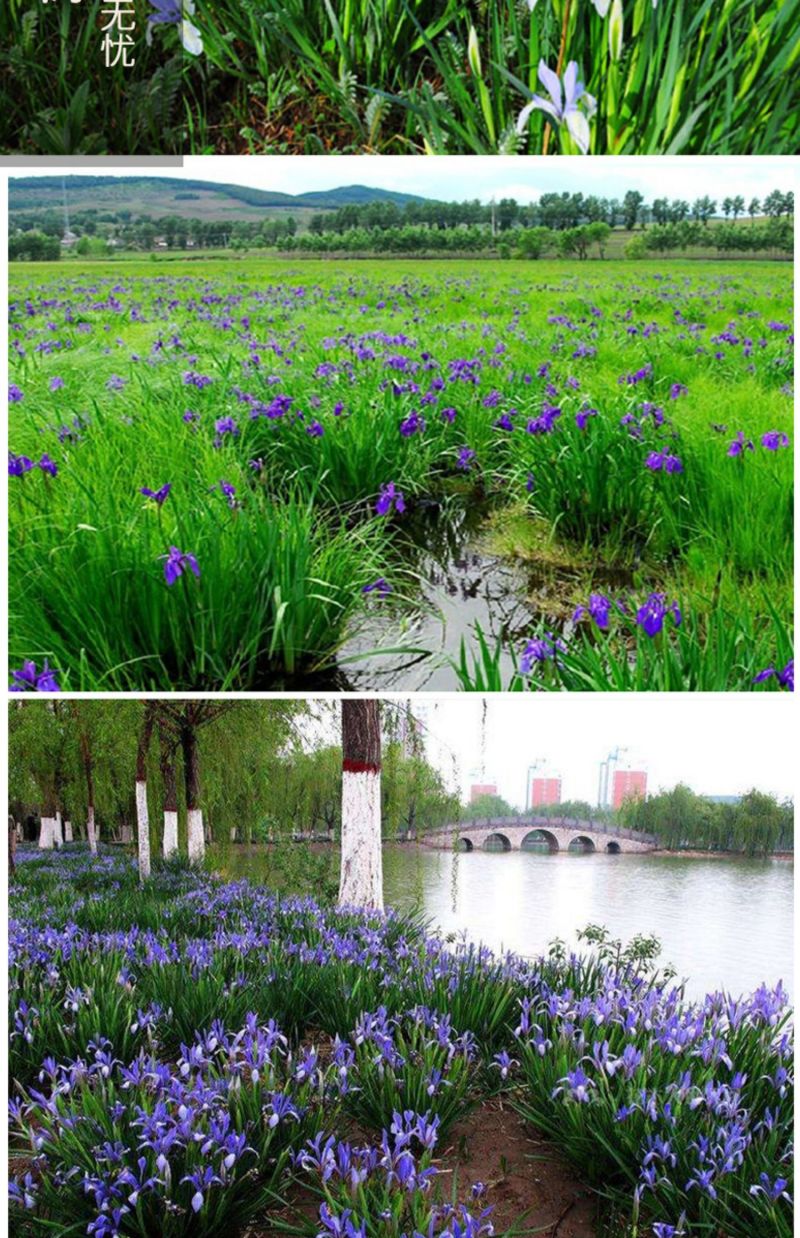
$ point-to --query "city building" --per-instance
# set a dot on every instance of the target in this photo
(543, 791)
(620, 779)
(479, 789)
(628, 784)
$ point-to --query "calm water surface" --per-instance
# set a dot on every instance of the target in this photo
(722, 924)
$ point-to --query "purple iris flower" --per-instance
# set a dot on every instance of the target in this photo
(175, 564)
(785, 677)
(653, 612)
(56, 383)
(504, 423)
(28, 679)
(15, 393)
(167, 12)
(17, 465)
(413, 424)
(158, 496)
(530, 483)
(582, 417)
(390, 498)
(229, 491)
(541, 649)
(192, 379)
(465, 457)
(662, 461)
(314, 429)
(774, 439)
(563, 105)
(676, 390)
(740, 444)
(772, 1190)
(599, 607)
(47, 465)
(380, 586)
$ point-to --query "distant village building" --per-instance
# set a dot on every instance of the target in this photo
(69, 239)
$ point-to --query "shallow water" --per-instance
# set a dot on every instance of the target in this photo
(461, 584)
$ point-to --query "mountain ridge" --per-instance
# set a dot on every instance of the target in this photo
(165, 195)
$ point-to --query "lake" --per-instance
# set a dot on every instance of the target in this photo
(722, 923)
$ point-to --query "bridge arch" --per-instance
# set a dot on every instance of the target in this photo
(464, 844)
(613, 847)
(539, 840)
(497, 842)
(581, 844)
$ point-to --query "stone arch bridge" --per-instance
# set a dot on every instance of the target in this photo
(548, 834)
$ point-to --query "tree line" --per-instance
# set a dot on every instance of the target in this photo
(385, 226)
(242, 771)
(758, 824)
(556, 211)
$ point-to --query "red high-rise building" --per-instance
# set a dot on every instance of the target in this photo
(544, 791)
(479, 789)
(628, 784)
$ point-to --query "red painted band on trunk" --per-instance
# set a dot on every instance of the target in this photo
(360, 767)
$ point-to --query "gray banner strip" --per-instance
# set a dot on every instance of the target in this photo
(91, 161)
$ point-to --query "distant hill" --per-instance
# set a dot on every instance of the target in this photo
(156, 196)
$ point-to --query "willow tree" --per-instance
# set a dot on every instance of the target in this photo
(361, 874)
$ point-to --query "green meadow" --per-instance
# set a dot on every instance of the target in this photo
(610, 430)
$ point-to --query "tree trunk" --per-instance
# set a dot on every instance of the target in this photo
(88, 773)
(47, 826)
(167, 764)
(142, 816)
(67, 831)
(361, 877)
(194, 813)
(59, 831)
(12, 846)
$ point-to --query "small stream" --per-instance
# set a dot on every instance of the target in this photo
(461, 584)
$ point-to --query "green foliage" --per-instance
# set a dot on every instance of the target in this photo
(60, 97)
(756, 824)
(449, 78)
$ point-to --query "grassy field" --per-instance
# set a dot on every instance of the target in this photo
(625, 427)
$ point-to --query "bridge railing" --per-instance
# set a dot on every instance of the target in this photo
(544, 823)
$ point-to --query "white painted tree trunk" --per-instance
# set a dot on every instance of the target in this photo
(361, 880)
(143, 830)
(197, 841)
(47, 833)
(59, 832)
(90, 830)
(67, 831)
(170, 834)
(233, 834)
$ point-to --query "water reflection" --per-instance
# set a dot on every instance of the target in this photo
(722, 923)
